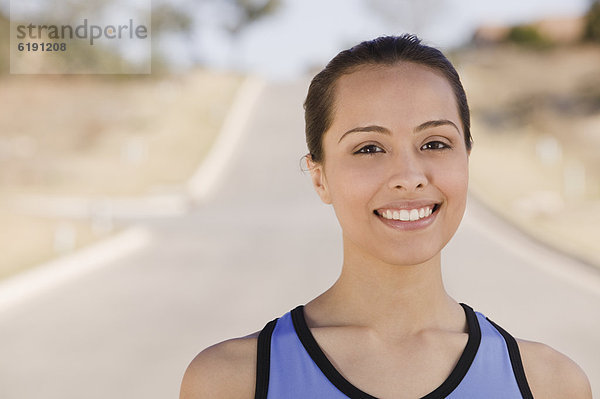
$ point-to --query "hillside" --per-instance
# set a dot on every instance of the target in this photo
(92, 138)
(536, 127)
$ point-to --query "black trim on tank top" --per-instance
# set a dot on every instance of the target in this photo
(263, 360)
(515, 361)
(348, 389)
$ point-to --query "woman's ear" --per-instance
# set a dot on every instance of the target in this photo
(318, 178)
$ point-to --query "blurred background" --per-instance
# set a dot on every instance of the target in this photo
(86, 159)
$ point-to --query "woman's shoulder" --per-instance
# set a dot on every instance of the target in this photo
(224, 370)
(551, 374)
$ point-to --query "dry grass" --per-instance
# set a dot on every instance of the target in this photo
(524, 102)
(98, 137)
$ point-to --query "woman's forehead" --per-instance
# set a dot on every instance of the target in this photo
(403, 75)
(405, 90)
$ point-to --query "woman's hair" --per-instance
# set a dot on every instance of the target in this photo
(385, 50)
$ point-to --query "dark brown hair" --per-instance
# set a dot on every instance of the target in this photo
(385, 50)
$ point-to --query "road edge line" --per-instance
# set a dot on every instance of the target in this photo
(42, 278)
(203, 182)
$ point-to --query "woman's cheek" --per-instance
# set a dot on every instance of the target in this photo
(454, 168)
(354, 182)
(454, 181)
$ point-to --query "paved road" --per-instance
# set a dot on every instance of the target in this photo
(249, 254)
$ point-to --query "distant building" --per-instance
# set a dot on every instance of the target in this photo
(561, 30)
(490, 34)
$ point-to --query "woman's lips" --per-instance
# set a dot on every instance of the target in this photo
(419, 223)
(408, 213)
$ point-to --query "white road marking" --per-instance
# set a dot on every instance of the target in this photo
(543, 258)
(204, 181)
(42, 278)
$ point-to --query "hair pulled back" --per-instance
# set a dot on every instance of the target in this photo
(385, 50)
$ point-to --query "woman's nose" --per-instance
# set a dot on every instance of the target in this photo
(407, 172)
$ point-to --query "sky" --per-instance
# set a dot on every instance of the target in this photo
(307, 33)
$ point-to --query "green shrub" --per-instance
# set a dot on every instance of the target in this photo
(527, 35)
(591, 30)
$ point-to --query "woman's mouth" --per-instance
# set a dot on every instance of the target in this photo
(407, 215)
(408, 219)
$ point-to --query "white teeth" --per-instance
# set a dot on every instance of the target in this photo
(414, 214)
(404, 215)
(407, 215)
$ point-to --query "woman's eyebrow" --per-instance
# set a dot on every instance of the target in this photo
(435, 123)
(372, 128)
(383, 130)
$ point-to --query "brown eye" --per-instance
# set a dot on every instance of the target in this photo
(369, 149)
(436, 145)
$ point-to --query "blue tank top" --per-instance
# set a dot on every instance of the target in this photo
(291, 365)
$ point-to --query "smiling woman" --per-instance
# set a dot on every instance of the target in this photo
(415, 161)
(387, 126)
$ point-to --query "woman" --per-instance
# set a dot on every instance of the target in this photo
(387, 127)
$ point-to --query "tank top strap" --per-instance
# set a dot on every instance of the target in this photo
(515, 360)
(263, 360)
(497, 369)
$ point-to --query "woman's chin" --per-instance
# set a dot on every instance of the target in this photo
(409, 260)
(415, 255)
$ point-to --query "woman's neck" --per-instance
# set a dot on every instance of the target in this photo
(392, 300)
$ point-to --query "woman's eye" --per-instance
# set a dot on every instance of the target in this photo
(436, 145)
(369, 149)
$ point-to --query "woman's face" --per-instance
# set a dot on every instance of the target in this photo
(394, 153)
